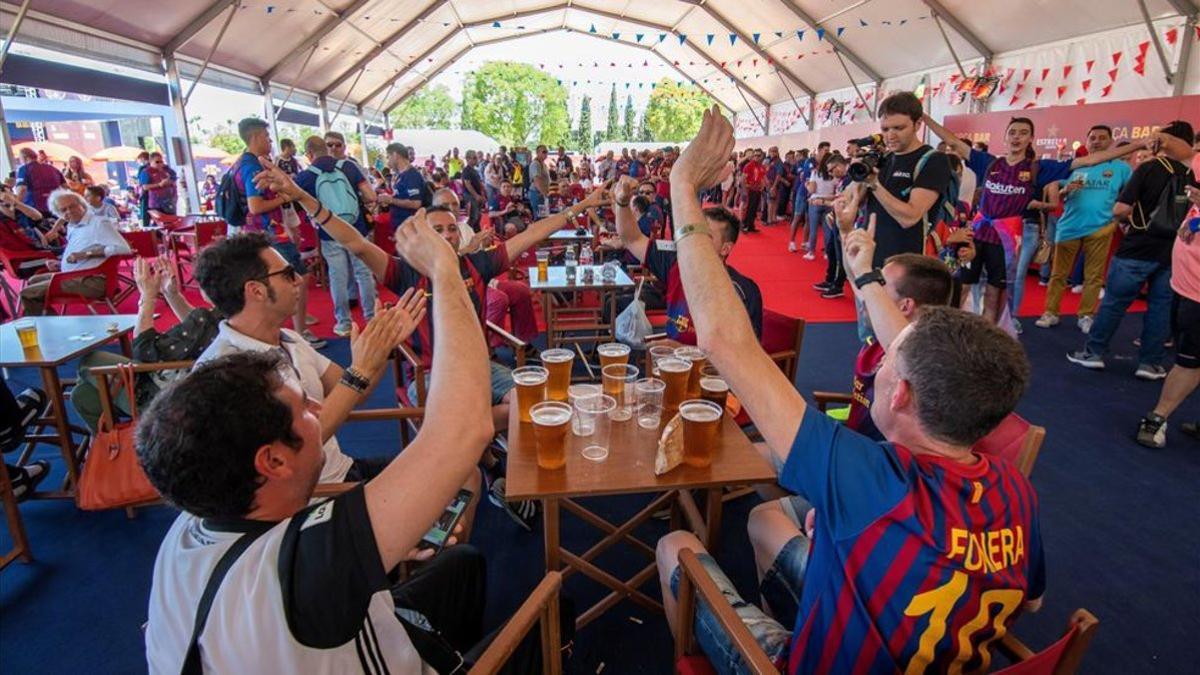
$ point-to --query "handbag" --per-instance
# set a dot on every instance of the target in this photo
(1042, 255)
(111, 476)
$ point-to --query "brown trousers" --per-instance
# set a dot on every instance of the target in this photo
(33, 296)
(1095, 261)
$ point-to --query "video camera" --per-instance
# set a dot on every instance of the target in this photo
(861, 166)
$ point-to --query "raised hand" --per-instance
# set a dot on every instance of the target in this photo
(481, 240)
(845, 208)
(275, 179)
(858, 249)
(596, 198)
(625, 188)
(370, 348)
(147, 277)
(703, 163)
(424, 249)
(166, 272)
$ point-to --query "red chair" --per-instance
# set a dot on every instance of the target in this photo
(143, 242)
(19, 266)
(166, 221)
(1061, 658)
(782, 338)
(186, 245)
(1015, 440)
(56, 295)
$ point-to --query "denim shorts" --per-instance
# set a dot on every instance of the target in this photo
(291, 253)
(771, 635)
(501, 377)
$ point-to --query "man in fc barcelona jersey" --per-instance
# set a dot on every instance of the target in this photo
(923, 553)
(659, 256)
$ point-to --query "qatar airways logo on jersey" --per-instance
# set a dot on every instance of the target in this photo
(1003, 189)
(990, 551)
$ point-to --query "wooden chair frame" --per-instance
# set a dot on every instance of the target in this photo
(542, 607)
(1081, 627)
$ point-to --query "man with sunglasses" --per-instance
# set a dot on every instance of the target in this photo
(248, 281)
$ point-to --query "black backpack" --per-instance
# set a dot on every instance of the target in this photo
(1170, 209)
(230, 201)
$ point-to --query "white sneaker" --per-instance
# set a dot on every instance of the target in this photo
(809, 256)
(791, 247)
(1085, 324)
(1047, 320)
(1077, 289)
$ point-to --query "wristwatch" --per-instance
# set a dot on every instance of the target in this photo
(873, 277)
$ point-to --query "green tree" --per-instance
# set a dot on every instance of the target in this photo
(675, 111)
(516, 104)
(613, 131)
(583, 135)
(644, 134)
(627, 121)
(429, 108)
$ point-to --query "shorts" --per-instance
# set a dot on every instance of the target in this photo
(989, 256)
(770, 634)
(1187, 323)
(291, 253)
(501, 379)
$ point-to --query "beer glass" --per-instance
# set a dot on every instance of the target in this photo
(593, 413)
(551, 421)
(649, 402)
(543, 264)
(618, 383)
(613, 353)
(576, 392)
(701, 423)
(558, 363)
(656, 355)
(714, 389)
(531, 389)
(699, 360)
(27, 333)
(674, 372)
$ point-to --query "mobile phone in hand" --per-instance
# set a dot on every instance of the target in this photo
(437, 536)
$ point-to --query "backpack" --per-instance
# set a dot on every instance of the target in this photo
(1170, 209)
(945, 209)
(230, 201)
(335, 193)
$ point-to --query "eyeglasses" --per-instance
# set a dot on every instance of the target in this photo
(288, 273)
(333, 145)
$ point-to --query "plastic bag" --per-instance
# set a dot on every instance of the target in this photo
(632, 324)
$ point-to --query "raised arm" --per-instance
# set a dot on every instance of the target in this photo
(960, 147)
(545, 227)
(631, 235)
(858, 247)
(344, 233)
(1115, 152)
(769, 397)
(411, 493)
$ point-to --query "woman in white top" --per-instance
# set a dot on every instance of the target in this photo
(822, 188)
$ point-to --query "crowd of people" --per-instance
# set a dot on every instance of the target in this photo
(887, 539)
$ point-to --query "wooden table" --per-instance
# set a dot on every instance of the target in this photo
(562, 311)
(62, 339)
(629, 469)
(571, 235)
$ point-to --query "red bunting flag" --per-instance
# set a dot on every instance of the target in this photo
(1045, 72)
(1020, 86)
(1142, 48)
(1089, 64)
(1013, 101)
(1106, 91)
(1061, 91)
(1029, 105)
(1067, 71)
(1025, 75)
(755, 63)
(1086, 84)
(1037, 92)
(1112, 74)
(1172, 36)
(1080, 101)
(1116, 57)
(1140, 68)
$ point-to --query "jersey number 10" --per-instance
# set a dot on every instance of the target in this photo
(939, 602)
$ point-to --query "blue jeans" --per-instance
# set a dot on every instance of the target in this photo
(341, 264)
(1029, 246)
(1125, 279)
(493, 197)
(816, 220)
(536, 199)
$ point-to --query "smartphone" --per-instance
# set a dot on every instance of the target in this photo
(437, 536)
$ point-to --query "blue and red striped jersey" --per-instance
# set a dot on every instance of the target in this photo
(919, 563)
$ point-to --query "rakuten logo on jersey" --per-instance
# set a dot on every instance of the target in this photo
(1003, 189)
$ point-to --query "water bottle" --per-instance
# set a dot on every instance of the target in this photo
(585, 255)
(569, 261)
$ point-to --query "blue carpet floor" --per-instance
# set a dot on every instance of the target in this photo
(1119, 522)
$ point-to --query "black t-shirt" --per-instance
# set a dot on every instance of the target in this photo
(1142, 192)
(662, 260)
(470, 175)
(896, 174)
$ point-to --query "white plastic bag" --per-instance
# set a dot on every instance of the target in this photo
(632, 324)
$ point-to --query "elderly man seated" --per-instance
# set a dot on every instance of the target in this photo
(90, 241)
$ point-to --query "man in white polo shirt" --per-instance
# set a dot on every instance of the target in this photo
(258, 290)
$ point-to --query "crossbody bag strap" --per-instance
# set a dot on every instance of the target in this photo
(191, 661)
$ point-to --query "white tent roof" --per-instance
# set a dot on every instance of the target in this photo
(375, 52)
(437, 142)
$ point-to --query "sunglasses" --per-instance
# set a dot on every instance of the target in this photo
(288, 273)
(333, 145)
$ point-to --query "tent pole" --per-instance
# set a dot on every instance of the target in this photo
(1158, 46)
(750, 108)
(362, 136)
(269, 107)
(838, 53)
(299, 77)
(213, 50)
(323, 113)
(945, 38)
(1185, 55)
(183, 151)
(8, 163)
(12, 32)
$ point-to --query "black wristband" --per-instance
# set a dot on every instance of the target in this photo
(355, 380)
(873, 277)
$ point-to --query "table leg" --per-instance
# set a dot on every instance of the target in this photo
(127, 345)
(612, 315)
(548, 315)
(550, 528)
(16, 526)
(712, 519)
(53, 389)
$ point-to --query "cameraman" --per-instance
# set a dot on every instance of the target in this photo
(902, 189)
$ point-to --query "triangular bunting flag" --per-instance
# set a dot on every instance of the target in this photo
(682, 39)
(592, 29)
(1037, 92)
(840, 30)
(799, 35)
(1080, 101)
(1029, 105)
(1116, 57)
(1013, 100)
(1025, 75)
(1142, 48)
(732, 38)
(495, 24)
(820, 34)
(1106, 91)
(709, 38)
(862, 23)
(1020, 86)
(616, 36)
(755, 63)
(756, 36)
(1089, 64)
(778, 34)
(1045, 73)
(1112, 74)
(1086, 84)
(1140, 68)
(1061, 91)
(1067, 71)
(1172, 36)
(639, 36)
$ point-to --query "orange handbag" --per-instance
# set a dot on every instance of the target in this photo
(112, 478)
